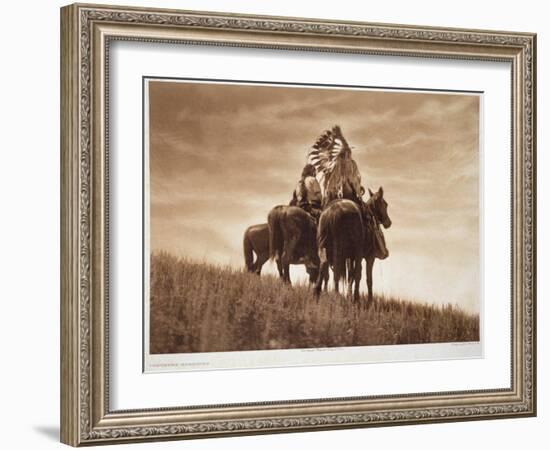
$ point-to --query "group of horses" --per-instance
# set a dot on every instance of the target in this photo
(346, 233)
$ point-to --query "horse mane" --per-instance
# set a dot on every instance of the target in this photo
(367, 208)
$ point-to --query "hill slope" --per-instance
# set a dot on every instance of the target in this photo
(197, 307)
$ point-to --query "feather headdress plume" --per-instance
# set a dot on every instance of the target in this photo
(337, 172)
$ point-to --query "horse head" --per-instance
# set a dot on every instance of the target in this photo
(379, 207)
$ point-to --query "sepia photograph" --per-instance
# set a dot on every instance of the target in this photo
(285, 220)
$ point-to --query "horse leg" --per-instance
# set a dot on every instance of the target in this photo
(326, 280)
(353, 278)
(287, 273)
(347, 277)
(287, 257)
(323, 272)
(284, 268)
(279, 266)
(357, 278)
(370, 263)
(254, 266)
(260, 261)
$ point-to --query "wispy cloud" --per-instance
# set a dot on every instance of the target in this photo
(221, 156)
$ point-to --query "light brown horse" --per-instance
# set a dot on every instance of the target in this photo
(256, 241)
(292, 240)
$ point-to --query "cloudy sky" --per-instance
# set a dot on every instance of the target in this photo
(221, 156)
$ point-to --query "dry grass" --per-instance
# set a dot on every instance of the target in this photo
(197, 307)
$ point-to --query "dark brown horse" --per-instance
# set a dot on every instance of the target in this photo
(375, 212)
(292, 240)
(340, 238)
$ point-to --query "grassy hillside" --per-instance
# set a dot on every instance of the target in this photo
(197, 307)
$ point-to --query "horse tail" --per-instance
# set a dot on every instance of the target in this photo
(339, 259)
(323, 233)
(275, 233)
(247, 249)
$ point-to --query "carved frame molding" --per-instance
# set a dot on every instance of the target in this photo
(86, 32)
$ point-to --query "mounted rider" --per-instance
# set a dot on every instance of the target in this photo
(339, 174)
(307, 194)
(340, 178)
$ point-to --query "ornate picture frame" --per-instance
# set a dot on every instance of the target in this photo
(86, 34)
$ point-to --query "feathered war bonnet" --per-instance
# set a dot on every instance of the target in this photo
(337, 171)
